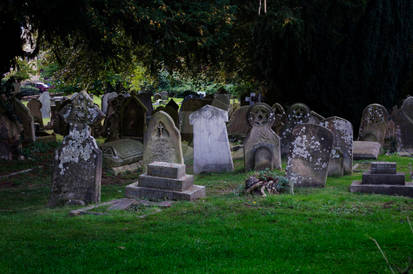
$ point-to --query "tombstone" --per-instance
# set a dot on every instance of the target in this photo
(211, 146)
(132, 118)
(111, 125)
(26, 119)
(309, 155)
(147, 101)
(373, 124)
(165, 181)
(162, 141)
(316, 119)
(10, 132)
(238, 124)
(365, 150)
(383, 178)
(58, 123)
(105, 100)
(35, 106)
(280, 118)
(189, 106)
(77, 168)
(341, 160)
(221, 101)
(298, 114)
(262, 146)
(403, 119)
(44, 98)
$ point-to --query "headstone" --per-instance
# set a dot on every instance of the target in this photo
(383, 178)
(77, 168)
(147, 101)
(221, 101)
(403, 119)
(238, 124)
(44, 98)
(172, 109)
(111, 125)
(132, 118)
(211, 146)
(10, 132)
(27, 121)
(373, 124)
(309, 155)
(165, 181)
(105, 100)
(189, 106)
(316, 119)
(58, 123)
(298, 114)
(364, 150)
(341, 161)
(280, 118)
(262, 146)
(121, 152)
(35, 109)
(162, 141)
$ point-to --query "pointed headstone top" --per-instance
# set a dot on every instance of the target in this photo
(208, 112)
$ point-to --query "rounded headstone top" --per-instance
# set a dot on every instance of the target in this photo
(375, 113)
(260, 114)
(299, 112)
(407, 107)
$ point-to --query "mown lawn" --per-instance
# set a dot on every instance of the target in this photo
(314, 231)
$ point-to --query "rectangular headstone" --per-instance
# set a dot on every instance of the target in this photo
(166, 170)
(383, 168)
(180, 184)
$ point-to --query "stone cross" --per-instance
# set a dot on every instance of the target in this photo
(78, 162)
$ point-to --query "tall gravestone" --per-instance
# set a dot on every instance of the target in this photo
(221, 101)
(373, 124)
(262, 146)
(162, 142)
(211, 145)
(77, 168)
(309, 155)
(10, 132)
(189, 106)
(403, 119)
(111, 125)
(35, 107)
(58, 123)
(341, 161)
(132, 118)
(298, 114)
(172, 109)
(44, 98)
(146, 99)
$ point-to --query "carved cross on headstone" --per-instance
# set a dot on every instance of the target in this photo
(160, 129)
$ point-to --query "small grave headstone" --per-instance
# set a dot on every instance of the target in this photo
(189, 106)
(147, 101)
(238, 124)
(280, 118)
(403, 119)
(211, 145)
(35, 109)
(363, 150)
(373, 124)
(132, 118)
(27, 121)
(221, 101)
(44, 98)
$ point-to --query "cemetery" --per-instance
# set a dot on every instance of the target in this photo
(162, 155)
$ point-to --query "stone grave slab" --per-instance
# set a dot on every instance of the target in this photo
(363, 150)
(121, 152)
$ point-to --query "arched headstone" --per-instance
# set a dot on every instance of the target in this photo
(132, 118)
(373, 124)
(44, 98)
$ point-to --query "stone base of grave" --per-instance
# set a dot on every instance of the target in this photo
(397, 190)
(363, 150)
(383, 179)
(126, 168)
(165, 181)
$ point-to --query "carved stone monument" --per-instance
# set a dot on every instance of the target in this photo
(35, 109)
(44, 98)
(373, 124)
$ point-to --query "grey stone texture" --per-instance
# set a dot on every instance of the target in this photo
(132, 118)
(105, 100)
(44, 98)
(262, 146)
(238, 124)
(221, 101)
(35, 106)
(189, 106)
(27, 121)
(373, 125)
(383, 167)
(77, 168)
(364, 150)
(121, 152)
(10, 132)
(280, 118)
(309, 155)
(211, 145)
(58, 123)
(403, 119)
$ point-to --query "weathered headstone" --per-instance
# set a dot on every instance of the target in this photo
(147, 101)
(10, 132)
(341, 161)
(221, 101)
(403, 119)
(363, 150)
(172, 109)
(44, 98)
(316, 119)
(373, 124)
(238, 124)
(24, 116)
(132, 118)
(211, 146)
(262, 146)
(309, 155)
(298, 114)
(121, 152)
(105, 100)
(77, 168)
(58, 123)
(111, 125)
(189, 106)
(162, 141)
(35, 109)
(280, 118)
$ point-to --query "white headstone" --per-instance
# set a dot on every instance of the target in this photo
(45, 100)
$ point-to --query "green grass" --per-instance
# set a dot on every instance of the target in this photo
(314, 231)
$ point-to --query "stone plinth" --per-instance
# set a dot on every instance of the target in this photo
(383, 168)
(165, 181)
(363, 150)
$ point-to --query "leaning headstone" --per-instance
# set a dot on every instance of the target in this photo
(35, 109)
(383, 178)
(373, 124)
(238, 124)
(262, 146)
(403, 119)
(105, 100)
(165, 181)
(44, 98)
(298, 114)
(27, 121)
(132, 118)
(189, 106)
(341, 161)
(77, 168)
(211, 146)
(172, 109)
(162, 141)
(364, 150)
(309, 156)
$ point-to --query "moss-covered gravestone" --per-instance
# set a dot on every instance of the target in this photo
(309, 155)
(262, 146)
(77, 168)
(162, 142)
(373, 124)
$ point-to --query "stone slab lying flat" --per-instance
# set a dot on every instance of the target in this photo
(395, 190)
(166, 170)
(363, 150)
(383, 179)
(126, 168)
(134, 191)
(180, 184)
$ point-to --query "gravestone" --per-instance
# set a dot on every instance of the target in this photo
(364, 150)
(111, 125)
(58, 123)
(221, 101)
(383, 178)
(262, 146)
(105, 100)
(172, 109)
(309, 156)
(77, 167)
(121, 152)
(189, 106)
(165, 181)
(373, 124)
(341, 160)
(164, 95)
(403, 119)
(44, 98)
(24, 116)
(10, 132)
(316, 119)
(280, 118)
(298, 114)
(238, 124)
(147, 101)
(162, 141)
(35, 109)
(211, 146)
(132, 118)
